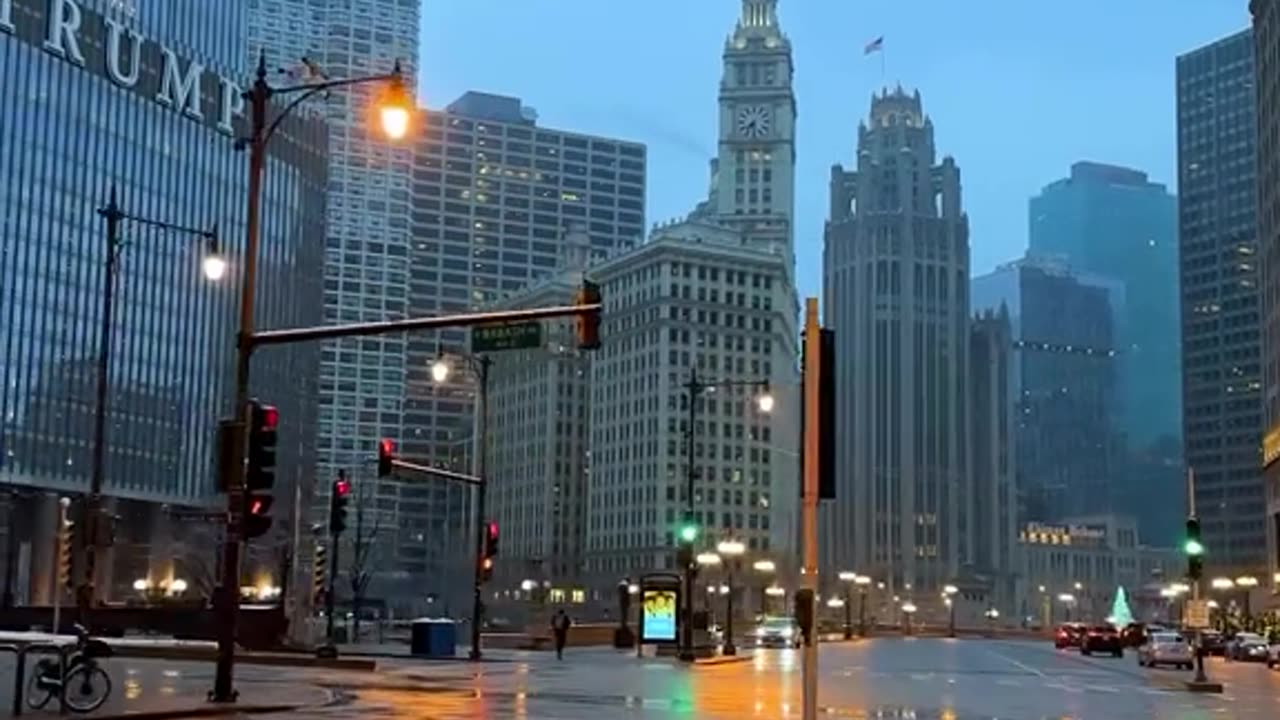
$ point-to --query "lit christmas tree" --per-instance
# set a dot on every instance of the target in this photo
(1120, 613)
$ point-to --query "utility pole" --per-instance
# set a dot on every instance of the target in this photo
(809, 519)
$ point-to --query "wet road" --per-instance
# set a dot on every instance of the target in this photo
(890, 678)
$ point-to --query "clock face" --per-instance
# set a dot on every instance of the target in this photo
(754, 121)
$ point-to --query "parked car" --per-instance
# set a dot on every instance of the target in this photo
(1165, 648)
(1247, 647)
(1273, 654)
(1068, 635)
(778, 632)
(1102, 638)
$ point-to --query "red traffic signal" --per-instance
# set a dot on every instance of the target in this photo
(386, 456)
(338, 500)
(342, 487)
(491, 539)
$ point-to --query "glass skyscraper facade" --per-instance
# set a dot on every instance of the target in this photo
(105, 100)
(1221, 322)
(1065, 374)
(1115, 222)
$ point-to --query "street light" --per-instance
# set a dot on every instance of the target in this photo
(948, 591)
(731, 550)
(440, 372)
(1222, 583)
(848, 578)
(707, 559)
(1248, 583)
(214, 266)
(694, 388)
(908, 608)
(232, 432)
(114, 215)
(766, 568)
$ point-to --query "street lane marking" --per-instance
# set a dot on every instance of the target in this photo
(1016, 663)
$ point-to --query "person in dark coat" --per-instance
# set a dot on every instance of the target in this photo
(560, 630)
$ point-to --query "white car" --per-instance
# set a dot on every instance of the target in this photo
(1165, 648)
(779, 632)
(1248, 647)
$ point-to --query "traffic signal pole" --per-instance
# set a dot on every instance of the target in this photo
(482, 419)
(1201, 677)
(809, 517)
(694, 389)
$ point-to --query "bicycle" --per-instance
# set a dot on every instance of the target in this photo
(87, 684)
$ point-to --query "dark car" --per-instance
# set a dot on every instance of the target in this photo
(1102, 639)
(1213, 642)
(1068, 635)
(1247, 647)
(1135, 634)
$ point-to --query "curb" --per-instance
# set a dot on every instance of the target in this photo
(248, 658)
(200, 712)
(1186, 685)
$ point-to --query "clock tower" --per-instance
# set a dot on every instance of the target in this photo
(756, 170)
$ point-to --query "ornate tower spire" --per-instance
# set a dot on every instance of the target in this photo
(759, 13)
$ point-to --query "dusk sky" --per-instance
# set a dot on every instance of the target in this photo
(1017, 89)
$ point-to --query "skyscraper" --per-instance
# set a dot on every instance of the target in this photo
(1069, 451)
(1221, 298)
(1266, 38)
(991, 509)
(695, 298)
(896, 278)
(366, 257)
(713, 294)
(77, 122)
(1114, 222)
(494, 195)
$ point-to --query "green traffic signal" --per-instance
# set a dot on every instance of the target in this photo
(688, 533)
(1193, 547)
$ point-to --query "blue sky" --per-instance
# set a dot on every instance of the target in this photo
(1017, 89)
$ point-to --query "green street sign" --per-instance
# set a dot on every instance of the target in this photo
(508, 336)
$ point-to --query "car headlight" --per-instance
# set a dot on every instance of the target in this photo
(759, 632)
(787, 632)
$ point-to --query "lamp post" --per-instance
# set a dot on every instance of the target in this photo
(440, 371)
(214, 268)
(948, 598)
(848, 578)
(395, 109)
(766, 568)
(730, 550)
(862, 581)
(908, 609)
(694, 387)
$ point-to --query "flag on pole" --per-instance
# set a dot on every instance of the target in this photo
(874, 46)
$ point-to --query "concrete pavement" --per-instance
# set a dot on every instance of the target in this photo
(921, 678)
(165, 688)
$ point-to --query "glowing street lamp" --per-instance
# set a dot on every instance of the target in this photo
(1222, 583)
(707, 559)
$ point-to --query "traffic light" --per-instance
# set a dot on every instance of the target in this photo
(338, 500)
(688, 532)
(1194, 549)
(826, 418)
(588, 323)
(320, 576)
(490, 551)
(386, 454)
(260, 470)
(64, 553)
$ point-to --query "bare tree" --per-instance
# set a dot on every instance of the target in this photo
(360, 567)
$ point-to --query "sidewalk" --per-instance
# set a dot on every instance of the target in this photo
(153, 689)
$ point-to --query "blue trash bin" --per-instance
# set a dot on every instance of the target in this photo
(432, 637)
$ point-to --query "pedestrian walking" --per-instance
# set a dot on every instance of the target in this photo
(560, 629)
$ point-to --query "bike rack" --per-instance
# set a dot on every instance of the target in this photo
(20, 670)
